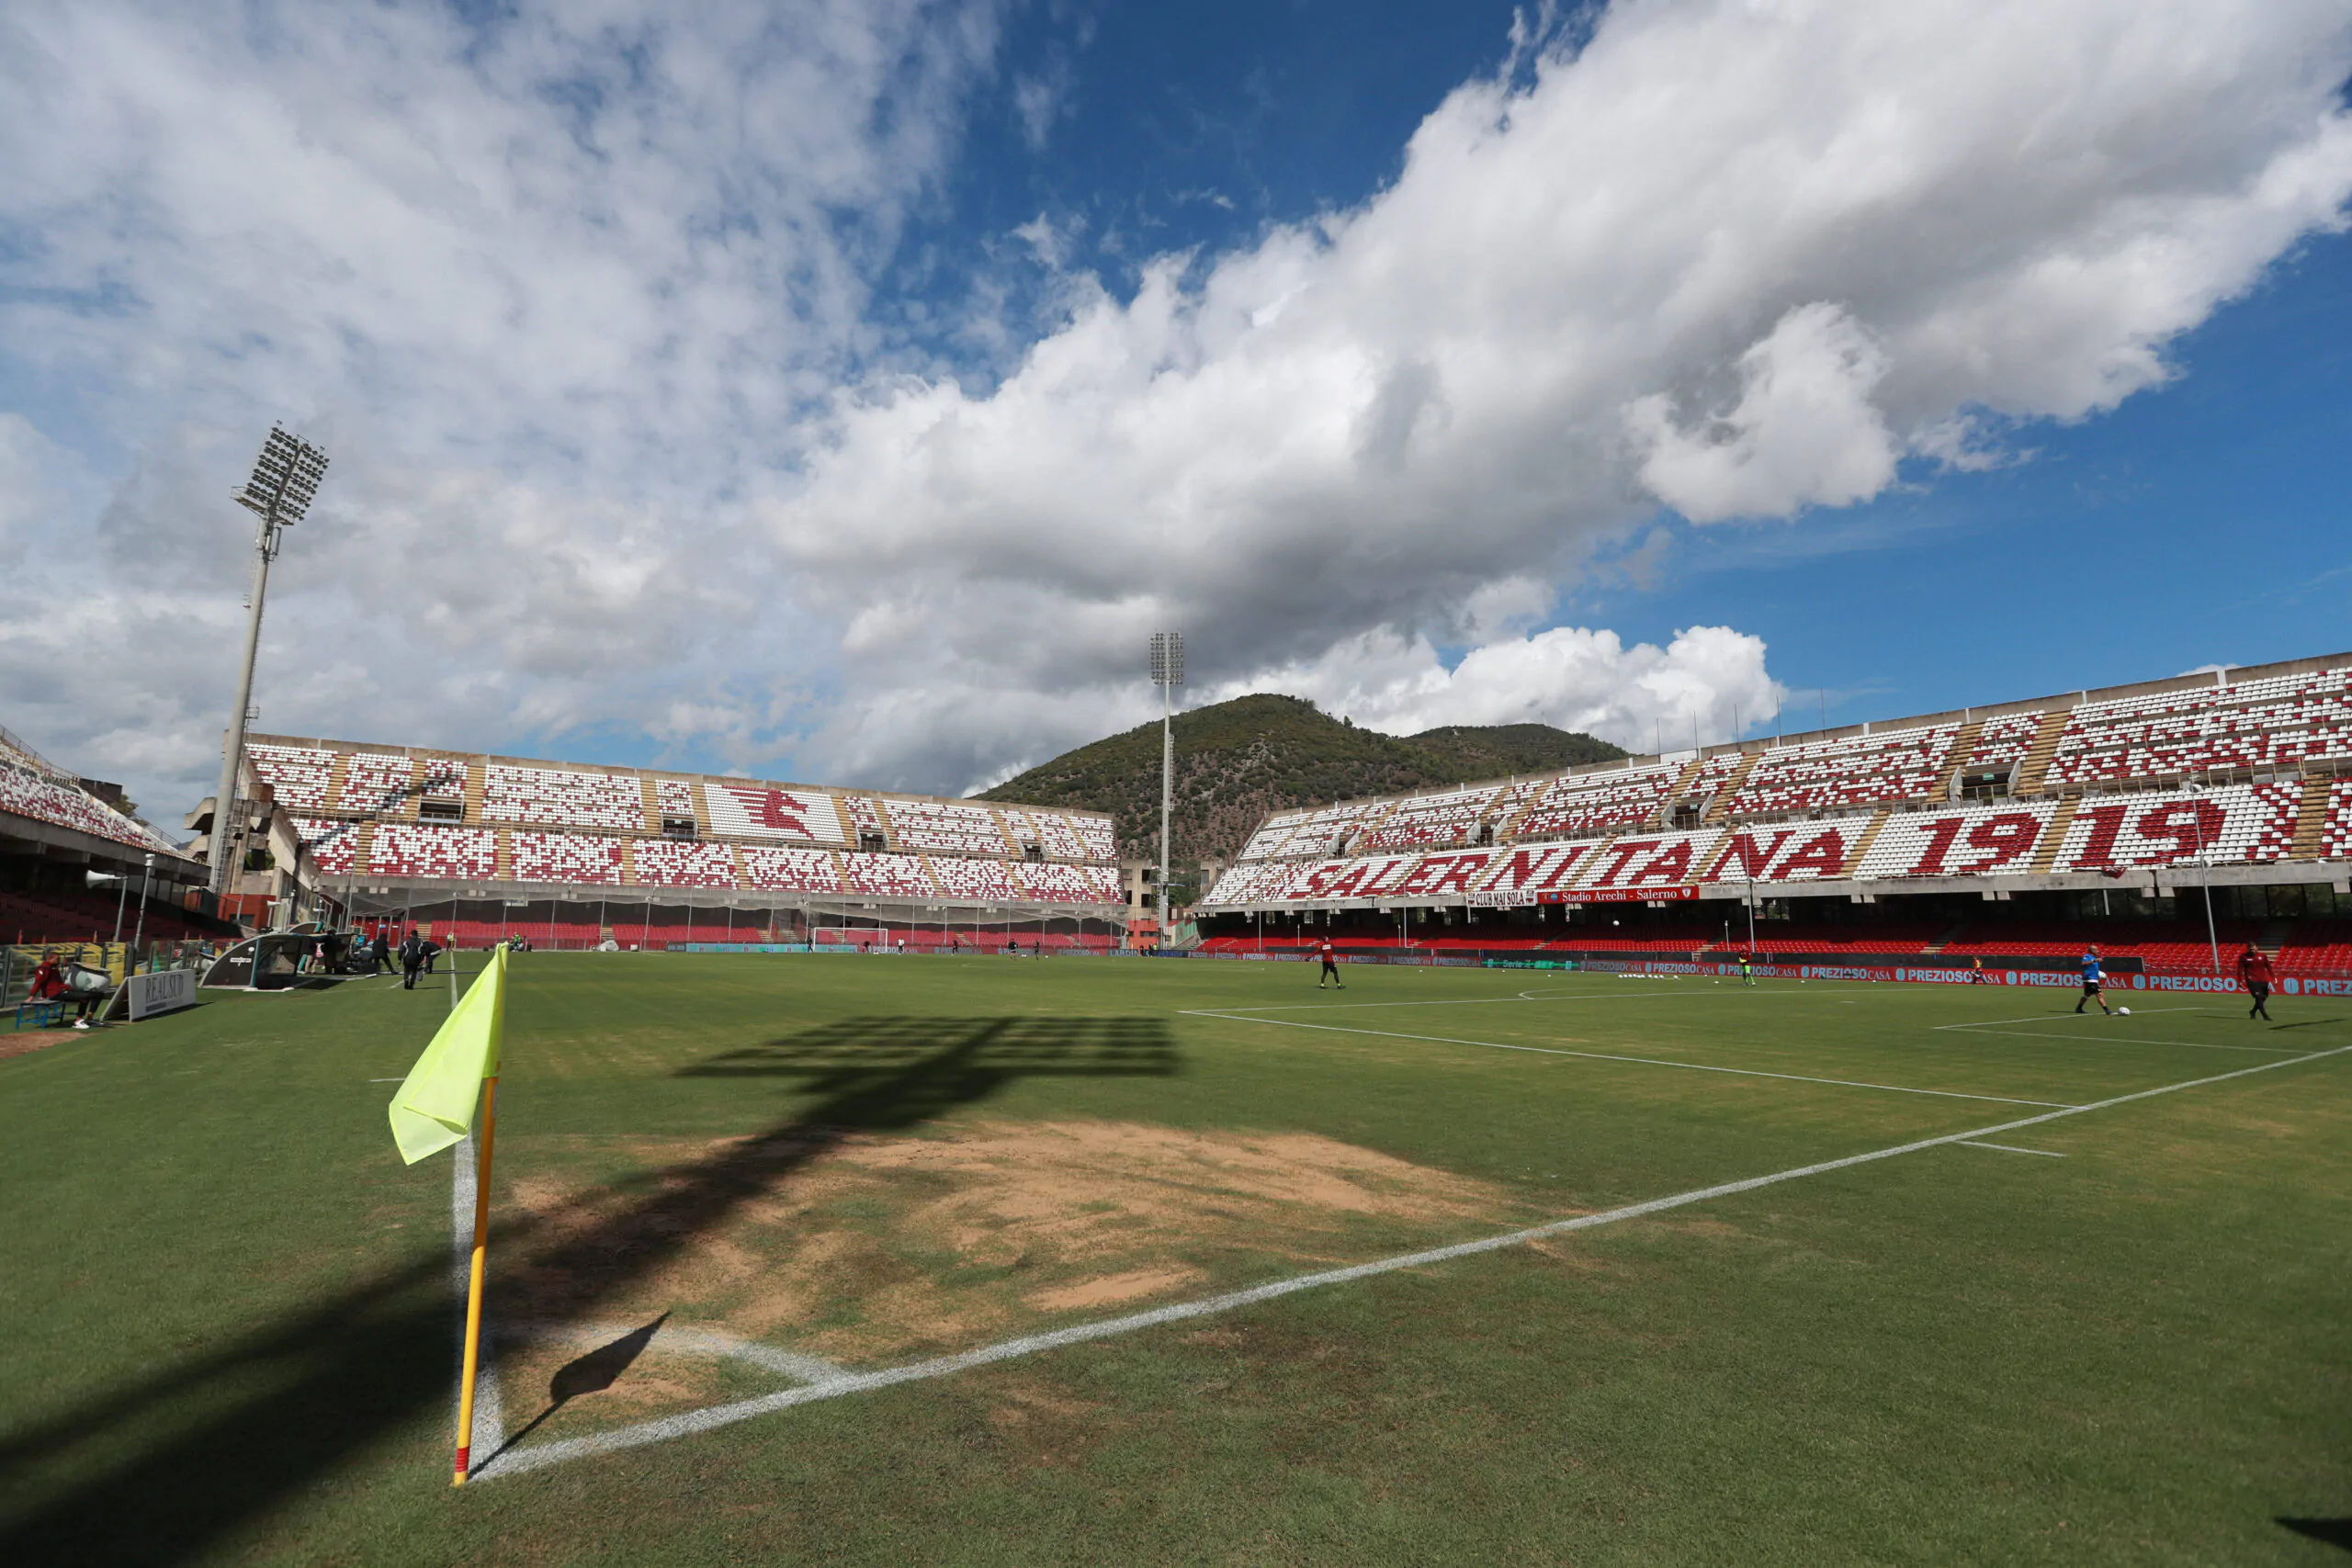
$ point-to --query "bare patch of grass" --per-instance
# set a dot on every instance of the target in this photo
(884, 1246)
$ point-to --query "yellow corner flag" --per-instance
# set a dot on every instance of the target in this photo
(434, 1106)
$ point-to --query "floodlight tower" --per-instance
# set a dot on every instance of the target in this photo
(286, 476)
(1167, 673)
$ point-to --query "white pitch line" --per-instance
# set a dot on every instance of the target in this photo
(2010, 1149)
(1640, 1061)
(489, 1421)
(2119, 1040)
(714, 1343)
(2050, 1017)
(1482, 1001)
(664, 1428)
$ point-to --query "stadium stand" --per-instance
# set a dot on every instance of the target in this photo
(1839, 774)
(65, 805)
(2260, 725)
(1580, 805)
(2335, 828)
(865, 817)
(899, 877)
(663, 863)
(983, 881)
(563, 799)
(792, 871)
(1986, 840)
(579, 859)
(443, 781)
(298, 776)
(1066, 884)
(752, 811)
(2319, 947)
(392, 822)
(434, 852)
(2003, 741)
(1649, 860)
(1537, 867)
(1432, 821)
(942, 825)
(331, 843)
(1798, 852)
(376, 782)
(2059, 794)
(1092, 836)
(2234, 825)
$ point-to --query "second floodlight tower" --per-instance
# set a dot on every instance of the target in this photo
(286, 476)
(1167, 673)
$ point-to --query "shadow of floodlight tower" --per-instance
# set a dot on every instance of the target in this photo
(286, 476)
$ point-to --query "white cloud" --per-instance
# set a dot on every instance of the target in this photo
(1708, 685)
(1739, 259)
(1804, 433)
(630, 435)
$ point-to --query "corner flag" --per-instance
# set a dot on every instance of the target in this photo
(433, 1107)
(433, 1110)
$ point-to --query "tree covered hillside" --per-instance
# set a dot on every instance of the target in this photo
(1237, 761)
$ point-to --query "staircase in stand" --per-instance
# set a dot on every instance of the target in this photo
(2313, 819)
(1964, 746)
(1719, 809)
(1862, 845)
(2045, 854)
(2036, 766)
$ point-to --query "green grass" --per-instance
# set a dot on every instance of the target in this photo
(229, 1324)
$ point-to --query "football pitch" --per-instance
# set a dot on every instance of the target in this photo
(977, 1260)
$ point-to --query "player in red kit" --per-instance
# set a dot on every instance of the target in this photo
(1330, 957)
(2253, 971)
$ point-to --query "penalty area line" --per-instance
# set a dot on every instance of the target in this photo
(1639, 1061)
(664, 1428)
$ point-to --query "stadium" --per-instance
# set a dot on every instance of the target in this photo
(665, 966)
(2168, 822)
(769, 1201)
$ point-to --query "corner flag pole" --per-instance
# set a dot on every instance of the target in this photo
(435, 1111)
(473, 1283)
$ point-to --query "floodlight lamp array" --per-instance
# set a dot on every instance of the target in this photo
(1168, 659)
(286, 476)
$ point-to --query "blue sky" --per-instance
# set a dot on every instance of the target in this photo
(841, 390)
(2209, 521)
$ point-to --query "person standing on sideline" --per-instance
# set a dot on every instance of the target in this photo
(1331, 957)
(379, 952)
(412, 960)
(1976, 972)
(2253, 971)
(2091, 980)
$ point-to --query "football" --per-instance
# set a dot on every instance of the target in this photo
(2125, 1012)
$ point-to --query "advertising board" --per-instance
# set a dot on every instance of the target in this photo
(166, 991)
(1674, 893)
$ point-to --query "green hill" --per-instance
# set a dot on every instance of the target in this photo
(1237, 761)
